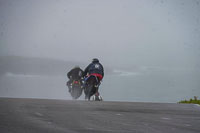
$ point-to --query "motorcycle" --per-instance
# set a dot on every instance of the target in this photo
(91, 86)
(76, 89)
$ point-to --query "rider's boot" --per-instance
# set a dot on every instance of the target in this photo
(97, 93)
(98, 97)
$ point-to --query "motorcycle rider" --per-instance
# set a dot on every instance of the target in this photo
(74, 74)
(95, 68)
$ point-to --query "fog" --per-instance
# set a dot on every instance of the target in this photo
(146, 46)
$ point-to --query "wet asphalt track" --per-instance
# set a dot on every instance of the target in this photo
(64, 116)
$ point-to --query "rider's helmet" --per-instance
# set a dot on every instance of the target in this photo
(95, 60)
(76, 67)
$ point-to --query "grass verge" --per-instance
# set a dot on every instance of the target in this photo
(193, 101)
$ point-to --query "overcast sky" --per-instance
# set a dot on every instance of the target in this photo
(162, 33)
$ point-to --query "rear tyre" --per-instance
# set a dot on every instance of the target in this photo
(76, 92)
(97, 98)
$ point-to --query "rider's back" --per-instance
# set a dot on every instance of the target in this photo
(96, 68)
(75, 73)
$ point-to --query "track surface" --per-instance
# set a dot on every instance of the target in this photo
(65, 116)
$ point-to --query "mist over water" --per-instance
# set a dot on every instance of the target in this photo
(143, 86)
(153, 86)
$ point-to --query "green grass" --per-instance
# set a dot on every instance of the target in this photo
(193, 101)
